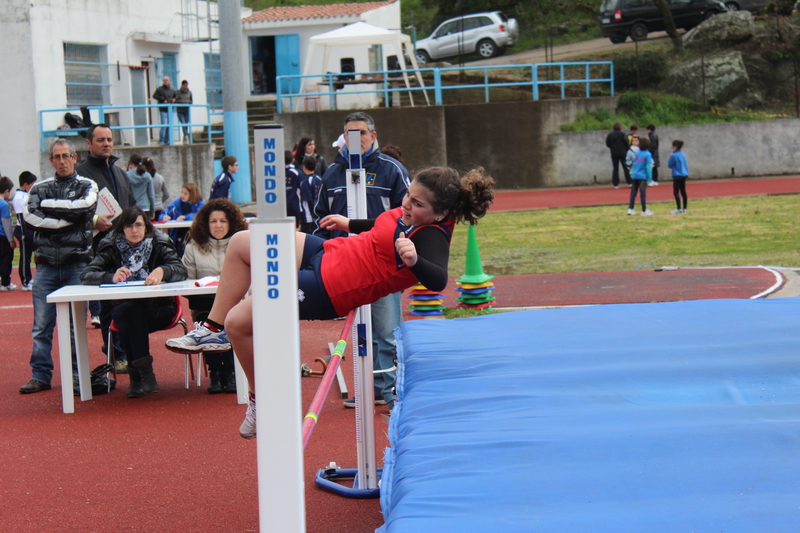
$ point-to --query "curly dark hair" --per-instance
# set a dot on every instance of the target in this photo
(199, 230)
(464, 198)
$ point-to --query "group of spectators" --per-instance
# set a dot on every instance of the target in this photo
(74, 244)
(640, 162)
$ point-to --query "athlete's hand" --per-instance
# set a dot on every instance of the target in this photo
(406, 250)
(332, 222)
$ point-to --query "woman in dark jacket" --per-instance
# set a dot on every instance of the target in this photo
(306, 147)
(135, 251)
(618, 144)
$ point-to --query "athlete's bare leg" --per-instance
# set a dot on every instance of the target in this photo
(238, 319)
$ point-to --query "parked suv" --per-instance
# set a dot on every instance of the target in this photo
(489, 34)
(637, 18)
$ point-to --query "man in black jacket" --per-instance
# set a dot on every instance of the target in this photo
(618, 144)
(60, 212)
(100, 167)
(165, 94)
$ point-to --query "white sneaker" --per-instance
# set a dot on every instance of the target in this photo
(647, 213)
(201, 339)
(684, 210)
(654, 183)
(631, 211)
(248, 428)
(9, 287)
(26, 287)
(677, 211)
(96, 321)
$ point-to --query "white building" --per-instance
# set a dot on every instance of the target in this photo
(277, 40)
(62, 54)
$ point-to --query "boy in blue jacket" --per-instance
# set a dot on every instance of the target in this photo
(642, 176)
(680, 171)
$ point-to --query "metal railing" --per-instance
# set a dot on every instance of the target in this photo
(172, 123)
(533, 76)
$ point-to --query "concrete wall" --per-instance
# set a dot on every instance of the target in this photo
(712, 150)
(178, 164)
(507, 139)
(517, 142)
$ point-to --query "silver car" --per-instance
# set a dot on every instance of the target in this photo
(489, 34)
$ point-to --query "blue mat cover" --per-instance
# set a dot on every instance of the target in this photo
(668, 417)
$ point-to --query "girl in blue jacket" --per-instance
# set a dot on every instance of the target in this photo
(642, 176)
(184, 207)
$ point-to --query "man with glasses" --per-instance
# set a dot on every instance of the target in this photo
(387, 181)
(60, 210)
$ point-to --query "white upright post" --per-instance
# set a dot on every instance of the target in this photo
(367, 477)
(276, 339)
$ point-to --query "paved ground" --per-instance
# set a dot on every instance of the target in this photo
(174, 462)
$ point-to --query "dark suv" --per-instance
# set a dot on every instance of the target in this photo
(637, 18)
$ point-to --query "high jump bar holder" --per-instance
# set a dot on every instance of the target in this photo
(365, 484)
(276, 341)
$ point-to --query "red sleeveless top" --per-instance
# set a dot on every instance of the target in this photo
(360, 269)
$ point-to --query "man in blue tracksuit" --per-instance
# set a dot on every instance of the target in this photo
(387, 181)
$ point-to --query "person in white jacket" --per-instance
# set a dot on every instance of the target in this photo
(204, 255)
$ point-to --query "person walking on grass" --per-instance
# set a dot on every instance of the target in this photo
(642, 176)
(680, 172)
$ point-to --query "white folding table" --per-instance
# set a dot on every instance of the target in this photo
(74, 296)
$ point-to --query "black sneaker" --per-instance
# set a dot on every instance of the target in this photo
(34, 385)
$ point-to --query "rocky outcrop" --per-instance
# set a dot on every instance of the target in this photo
(721, 30)
(714, 79)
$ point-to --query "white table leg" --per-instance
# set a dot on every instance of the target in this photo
(65, 356)
(241, 381)
(82, 348)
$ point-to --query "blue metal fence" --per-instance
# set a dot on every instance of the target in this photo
(535, 75)
(102, 110)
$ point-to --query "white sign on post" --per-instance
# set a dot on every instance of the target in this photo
(276, 342)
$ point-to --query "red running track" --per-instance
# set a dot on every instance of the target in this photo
(520, 200)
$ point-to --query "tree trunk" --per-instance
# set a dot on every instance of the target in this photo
(669, 24)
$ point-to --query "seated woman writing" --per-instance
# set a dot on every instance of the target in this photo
(135, 251)
(400, 248)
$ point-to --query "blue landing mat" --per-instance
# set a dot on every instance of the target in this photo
(668, 417)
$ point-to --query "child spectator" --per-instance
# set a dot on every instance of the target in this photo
(221, 187)
(185, 207)
(680, 171)
(309, 191)
(293, 208)
(651, 133)
(160, 188)
(7, 243)
(634, 133)
(142, 185)
(23, 235)
(632, 151)
(641, 173)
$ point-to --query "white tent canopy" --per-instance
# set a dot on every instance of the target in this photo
(361, 33)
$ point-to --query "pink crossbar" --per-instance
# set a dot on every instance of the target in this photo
(310, 420)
